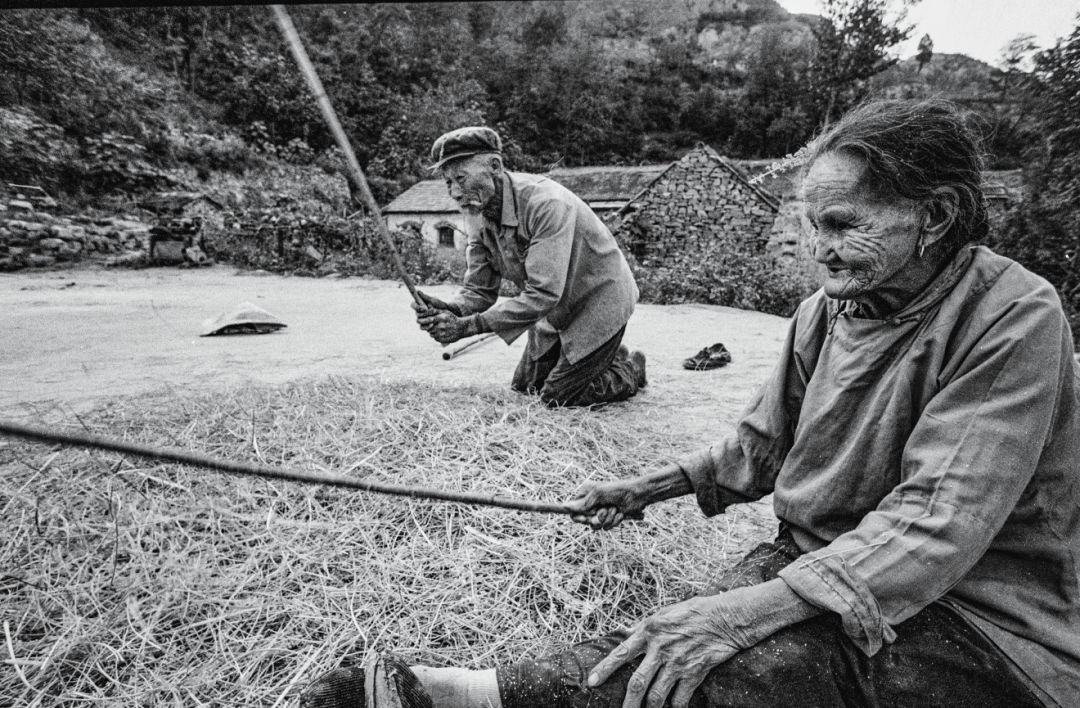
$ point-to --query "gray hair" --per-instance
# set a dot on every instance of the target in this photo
(910, 149)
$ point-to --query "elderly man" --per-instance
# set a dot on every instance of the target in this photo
(577, 291)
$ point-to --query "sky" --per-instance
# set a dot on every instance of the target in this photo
(978, 28)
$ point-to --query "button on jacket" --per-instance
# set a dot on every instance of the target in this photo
(931, 456)
(576, 286)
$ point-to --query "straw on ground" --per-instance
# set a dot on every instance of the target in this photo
(131, 584)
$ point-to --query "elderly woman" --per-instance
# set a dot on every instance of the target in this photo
(921, 438)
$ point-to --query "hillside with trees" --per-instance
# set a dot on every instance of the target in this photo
(574, 83)
(101, 105)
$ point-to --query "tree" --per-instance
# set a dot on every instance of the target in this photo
(1057, 71)
(1017, 57)
(548, 27)
(853, 44)
(1043, 233)
(926, 51)
(772, 112)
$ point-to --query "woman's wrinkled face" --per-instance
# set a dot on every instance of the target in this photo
(865, 241)
(471, 183)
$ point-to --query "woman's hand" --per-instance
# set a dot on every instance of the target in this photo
(604, 505)
(683, 642)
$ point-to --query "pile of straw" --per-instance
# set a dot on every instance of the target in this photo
(128, 583)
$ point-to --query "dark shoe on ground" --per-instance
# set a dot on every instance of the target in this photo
(637, 357)
(383, 682)
(712, 357)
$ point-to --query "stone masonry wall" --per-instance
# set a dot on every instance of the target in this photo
(35, 238)
(696, 209)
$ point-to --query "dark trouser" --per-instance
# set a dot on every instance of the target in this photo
(600, 377)
(938, 659)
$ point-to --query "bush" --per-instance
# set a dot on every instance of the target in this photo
(283, 241)
(35, 152)
(113, 161)
(52, 62)
(756, 286)
(204, 152)
(1036, 234)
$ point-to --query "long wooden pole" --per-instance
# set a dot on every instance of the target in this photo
(185, 457)
(298, 51)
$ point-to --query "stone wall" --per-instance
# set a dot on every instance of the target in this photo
(698, 207)
(32, 237)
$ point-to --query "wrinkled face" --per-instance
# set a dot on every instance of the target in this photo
(865, 241)
(471, 182)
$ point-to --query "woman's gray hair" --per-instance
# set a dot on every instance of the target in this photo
(910, 149)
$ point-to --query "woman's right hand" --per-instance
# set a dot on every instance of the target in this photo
(604, 505)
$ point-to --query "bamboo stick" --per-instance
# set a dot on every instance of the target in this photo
(186, 457)
(454, 352)
(298, 51)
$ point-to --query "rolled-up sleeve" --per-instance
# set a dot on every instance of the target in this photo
(743, 467)
(970, 456)
(549, 223)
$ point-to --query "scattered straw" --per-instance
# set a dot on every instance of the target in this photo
(131, 584)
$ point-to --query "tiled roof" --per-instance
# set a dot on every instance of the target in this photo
(427, 196)
(606, 184)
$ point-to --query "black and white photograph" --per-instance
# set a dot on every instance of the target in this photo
(540, 354)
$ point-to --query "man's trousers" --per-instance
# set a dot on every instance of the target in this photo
(602, 376)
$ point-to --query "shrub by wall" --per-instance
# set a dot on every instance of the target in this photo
(283, 241)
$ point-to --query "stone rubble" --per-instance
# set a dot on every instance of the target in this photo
(33, 238)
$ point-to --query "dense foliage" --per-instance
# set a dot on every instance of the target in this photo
(97, 101)
(1043, 232)
(571, 83)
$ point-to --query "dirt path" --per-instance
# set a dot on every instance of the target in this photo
(72, 338)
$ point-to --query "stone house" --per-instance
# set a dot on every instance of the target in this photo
(428, 207)
(606, 189)
(694, 209)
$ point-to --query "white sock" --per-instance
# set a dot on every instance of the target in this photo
(452, 687)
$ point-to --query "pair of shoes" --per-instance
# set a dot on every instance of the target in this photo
(711, 357)
(637, 358)
(383, 682)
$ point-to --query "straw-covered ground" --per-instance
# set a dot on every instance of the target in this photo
(130, 583)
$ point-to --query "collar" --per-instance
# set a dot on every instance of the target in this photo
(509, 202)
(934, 293)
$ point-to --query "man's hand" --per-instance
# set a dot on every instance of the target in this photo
(434, 303)
(445, 327)
(604, 505)
(683, 642)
